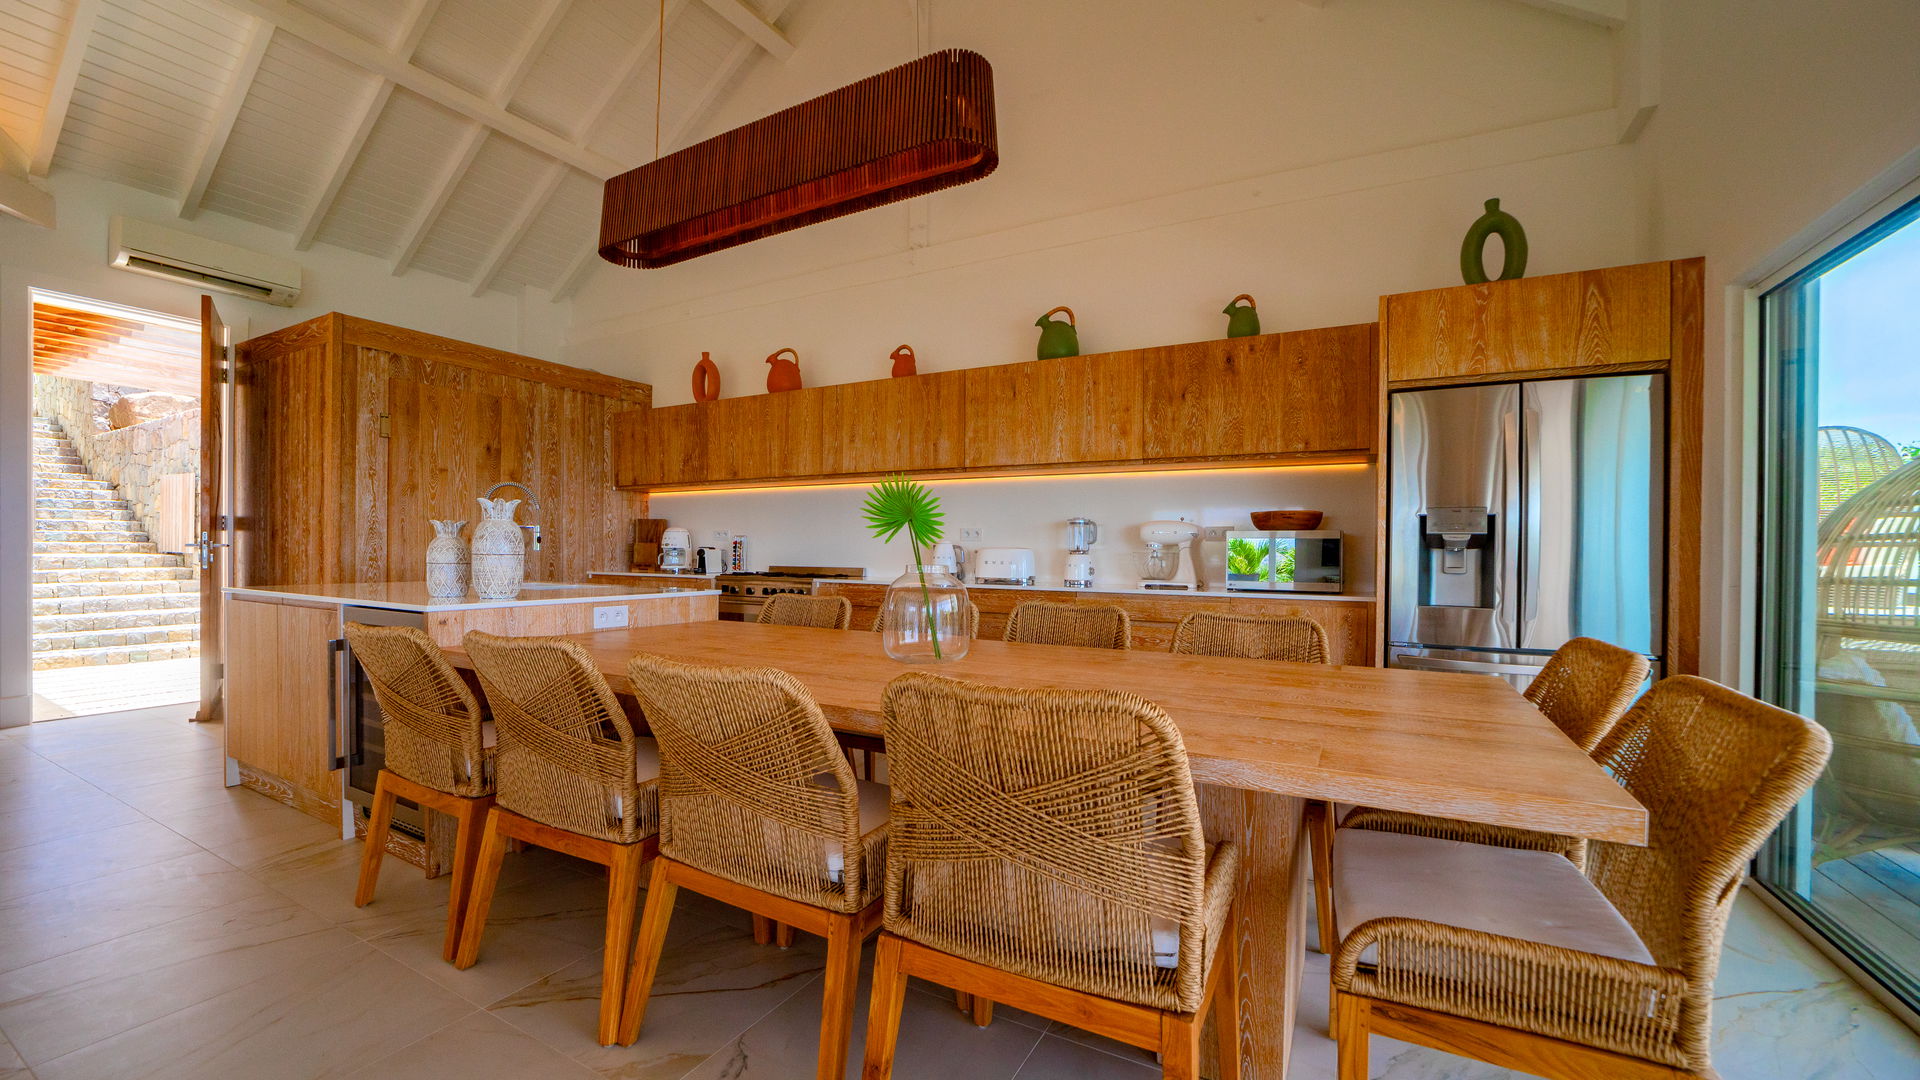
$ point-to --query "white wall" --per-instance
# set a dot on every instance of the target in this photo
(1773, 114)
(1156, 159)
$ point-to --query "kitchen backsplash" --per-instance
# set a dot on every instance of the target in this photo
(822, 526)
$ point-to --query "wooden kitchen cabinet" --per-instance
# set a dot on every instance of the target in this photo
(660, 446)
(1300, 392)
(1082, 409)
(912, 424)
(279, 696)
(1619, 318)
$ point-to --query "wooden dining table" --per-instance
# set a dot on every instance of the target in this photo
(1262, 737)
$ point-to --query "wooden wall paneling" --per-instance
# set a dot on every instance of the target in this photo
(1686, 449)
(629, 435)
(1588, 320)
(399, 339)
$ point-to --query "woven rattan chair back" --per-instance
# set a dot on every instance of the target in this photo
(1050, 833)
(1717, 772)
(820, 612)
(566, 749)
(1293, 638)
(1045, 622)
(433, 722)
(753, 786)
(973, 620)
(1585, 688)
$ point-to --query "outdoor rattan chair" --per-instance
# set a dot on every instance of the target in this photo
(821, 612)
(973, 619)
(1292, 638)
(760, 810)
(1047, 854)
(439, 754)
(1516, 958)
(1046, 622)
(1584, 688)
(571, 776)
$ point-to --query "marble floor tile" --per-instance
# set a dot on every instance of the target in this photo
(160, 796)
(714, 984)
(1055, 1058)
(71, 1001)
(343, 1008)
(68, 860)
(533, 931)
(80, 811)
(476, 1047)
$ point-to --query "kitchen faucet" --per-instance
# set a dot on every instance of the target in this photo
(533, 501)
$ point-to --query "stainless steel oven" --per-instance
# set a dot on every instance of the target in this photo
(743, 595)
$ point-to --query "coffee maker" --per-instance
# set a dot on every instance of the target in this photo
(1082, 534)
(675, 558)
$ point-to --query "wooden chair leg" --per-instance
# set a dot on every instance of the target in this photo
(378, 825)
(982, 1010)
(762, 930)
(486, 874)
(783, 935)
(1350, 1035)
(883, 1012)
(470, 822)
(837, 997)
(1226, 1004)
(1180, 1047)
(646, 952)
(963, 1001)
(623, 893)
(1320, 826)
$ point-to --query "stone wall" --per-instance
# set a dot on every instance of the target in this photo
(134, 458)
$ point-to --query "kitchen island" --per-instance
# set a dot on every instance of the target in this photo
(299, 724)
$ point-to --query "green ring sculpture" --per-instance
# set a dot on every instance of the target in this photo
(1473, 249)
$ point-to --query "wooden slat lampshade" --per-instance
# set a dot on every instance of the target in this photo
(917, 128)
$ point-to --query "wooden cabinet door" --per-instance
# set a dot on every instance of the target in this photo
(630, 462)
(278, 686)
(738, 443)
(1306, 391)
(912, 424)
(1083, 409)
(676, 445)
(1559, 322)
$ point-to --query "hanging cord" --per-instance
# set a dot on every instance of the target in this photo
(659, 75)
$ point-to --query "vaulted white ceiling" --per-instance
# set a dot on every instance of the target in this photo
(465, 138)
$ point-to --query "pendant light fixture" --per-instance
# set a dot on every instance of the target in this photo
(918, 128)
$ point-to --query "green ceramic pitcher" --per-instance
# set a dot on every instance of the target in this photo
(1058, 339)
(1241, 321)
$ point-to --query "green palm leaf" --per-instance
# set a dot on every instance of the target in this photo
(899, 504)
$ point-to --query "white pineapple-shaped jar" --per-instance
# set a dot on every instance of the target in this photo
(499, 551)
(447, 562)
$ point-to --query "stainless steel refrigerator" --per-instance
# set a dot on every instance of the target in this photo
(1524, 514)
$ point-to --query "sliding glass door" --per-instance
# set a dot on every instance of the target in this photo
(1839, 627)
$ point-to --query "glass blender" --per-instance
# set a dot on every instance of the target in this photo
(1082, 534)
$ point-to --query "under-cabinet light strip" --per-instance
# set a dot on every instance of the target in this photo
(1020, 477)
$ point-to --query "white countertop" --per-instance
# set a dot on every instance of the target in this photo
(412, 595)
(1134, 590)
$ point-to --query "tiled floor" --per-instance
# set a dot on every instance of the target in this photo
(155, 924)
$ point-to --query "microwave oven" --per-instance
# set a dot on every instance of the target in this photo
(1284, 561)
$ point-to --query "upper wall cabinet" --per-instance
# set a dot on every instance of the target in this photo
(1303, 395)
(1617, 318)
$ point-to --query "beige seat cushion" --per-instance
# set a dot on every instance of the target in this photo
(1532, 895)
(489, 735)
(646, 760)
(874, 799)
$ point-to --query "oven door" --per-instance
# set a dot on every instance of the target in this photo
(741, 608)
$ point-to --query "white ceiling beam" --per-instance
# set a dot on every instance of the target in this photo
(442, 191)
(357, 50)
(1637, 68)
(529, 52)
(760, 31)
(65, 77)
(19, 196)
(342, 165)
(1612, 14)
(628, 67)
(716, 84)
(414, 28)
(576, 272)
(517, 230)
(225, 112)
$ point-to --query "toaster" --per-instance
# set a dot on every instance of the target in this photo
(1003, 566)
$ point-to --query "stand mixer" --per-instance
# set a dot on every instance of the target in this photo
(1160, 564)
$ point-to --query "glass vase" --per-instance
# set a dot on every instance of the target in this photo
(926, 617)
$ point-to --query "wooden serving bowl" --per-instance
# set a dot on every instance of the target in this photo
(1287, 520)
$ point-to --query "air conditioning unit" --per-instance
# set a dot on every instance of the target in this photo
(156, 250)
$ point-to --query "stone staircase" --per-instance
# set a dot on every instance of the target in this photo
(102, 592)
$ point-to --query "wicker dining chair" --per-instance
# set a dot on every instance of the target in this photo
(1047, 854)
(820, 612)
(1516, 958)
(1046, 622)
(570, 776)
(1293, 638)
(760, 810)
(1584, 688)
(973, 620)
(439, 754)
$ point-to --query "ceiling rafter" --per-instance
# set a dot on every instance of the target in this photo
(529, 52)
(624, 73)
(1612, 14)
(576, 272)
(354, 49)
(717, 83)
(66, 76)
(760, 31)
(225, 112)
(469, 148)
(343, 164)
(517, 230)
(415, 28)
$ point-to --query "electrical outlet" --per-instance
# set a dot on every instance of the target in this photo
(610, 617)
(1214, 532)
(720, 536)
(970, 536)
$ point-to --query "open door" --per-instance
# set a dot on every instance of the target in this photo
(214, 565)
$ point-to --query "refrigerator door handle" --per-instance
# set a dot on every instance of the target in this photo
(1512, 535)
(1529, 597)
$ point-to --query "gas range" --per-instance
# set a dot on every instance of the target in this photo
(742, 595)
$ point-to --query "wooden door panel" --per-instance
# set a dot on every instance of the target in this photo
(215, 561)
